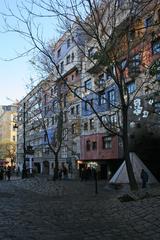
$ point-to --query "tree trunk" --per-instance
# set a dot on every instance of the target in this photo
(132, 181)
(55, 176)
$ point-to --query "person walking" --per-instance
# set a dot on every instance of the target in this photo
(8, 173)
(144, 177)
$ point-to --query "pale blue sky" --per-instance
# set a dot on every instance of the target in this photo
(15, 74)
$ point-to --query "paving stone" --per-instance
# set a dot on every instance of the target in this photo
(38, 209)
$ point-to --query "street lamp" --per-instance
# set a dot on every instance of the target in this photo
(24, 169)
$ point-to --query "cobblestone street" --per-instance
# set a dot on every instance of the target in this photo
(38, 209)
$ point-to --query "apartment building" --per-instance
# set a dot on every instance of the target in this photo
(8, 135)
(93, 82)
(43, 106)
(120, 76)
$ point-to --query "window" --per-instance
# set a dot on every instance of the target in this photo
(123, 64)
(59, 53)
(62, 67)
(77, 109)
(148, 22)
(45, 98)
(64, 100)
(72, 56)
(134, 64)
(14, 138)
(132, 34)
(107, 142)
(120, 3)
(68, 42)
(109, 72)
(91, 103)
(45, 137)
(104, 119)
(158, 15)
(94, 145)
(136, 60)
(113, 119)
(91, 123)
(101, 98)
(52, 92)
(73, 128)
(101, 80)
(55, 89)
(86, 126)
(68, 59)
(86, 106)
(156, 46)
(47, 151)
(88, 145)
(72, 111)
(91, 52)
(65, 134)
(88, 85)
(72, 77)
(45, 110)
(158, 73)
(47, 122)
(52, 120)
(131, 86)
(157, 107)
(111, 98)
(65, 116)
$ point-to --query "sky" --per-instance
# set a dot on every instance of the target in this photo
(15, 74)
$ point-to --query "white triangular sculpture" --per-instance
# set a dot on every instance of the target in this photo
(121, 175)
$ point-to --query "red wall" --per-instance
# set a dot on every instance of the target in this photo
(99, 153)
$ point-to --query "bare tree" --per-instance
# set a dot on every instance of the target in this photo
(118, 40)
(8, 151)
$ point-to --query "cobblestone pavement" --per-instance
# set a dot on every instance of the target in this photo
(38, 209)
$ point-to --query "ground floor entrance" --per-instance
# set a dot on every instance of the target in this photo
(105, 168)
